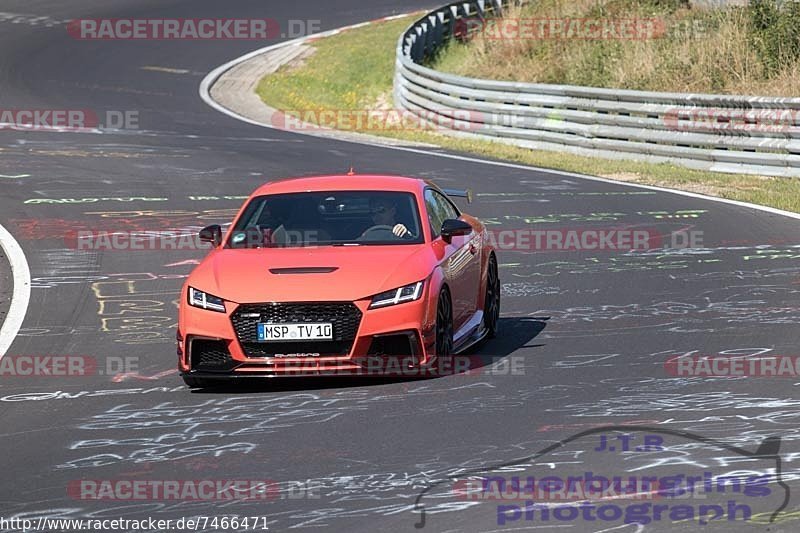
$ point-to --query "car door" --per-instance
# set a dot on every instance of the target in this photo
(460, 262)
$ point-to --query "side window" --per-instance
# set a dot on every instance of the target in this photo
(446, 206)
(433, 213)
(439, 209)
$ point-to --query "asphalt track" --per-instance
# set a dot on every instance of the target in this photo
(588, 333)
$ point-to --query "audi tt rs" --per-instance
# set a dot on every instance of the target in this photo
(339, 275)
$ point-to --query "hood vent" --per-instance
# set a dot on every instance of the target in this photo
(303, 270)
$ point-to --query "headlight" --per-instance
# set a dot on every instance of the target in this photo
(409, 293)
(206, 301)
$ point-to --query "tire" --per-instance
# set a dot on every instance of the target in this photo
(491, 302)
(200, 383)
(444, 326)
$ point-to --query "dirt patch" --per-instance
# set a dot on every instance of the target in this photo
(622, 176)
(632, 177)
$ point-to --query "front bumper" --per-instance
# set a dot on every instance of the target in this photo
(390, 341)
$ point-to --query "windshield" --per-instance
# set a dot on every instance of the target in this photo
(339, 218)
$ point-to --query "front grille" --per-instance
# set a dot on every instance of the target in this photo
(345, 318)
(210, 355)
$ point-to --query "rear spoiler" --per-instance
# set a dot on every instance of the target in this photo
(460, 193)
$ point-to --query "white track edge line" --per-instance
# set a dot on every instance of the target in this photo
(21, 295)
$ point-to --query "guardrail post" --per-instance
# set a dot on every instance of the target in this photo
(497, 7)
(481, 7)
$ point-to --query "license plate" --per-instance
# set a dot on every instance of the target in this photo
(295, 332)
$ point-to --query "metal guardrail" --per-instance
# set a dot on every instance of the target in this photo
(723, 133)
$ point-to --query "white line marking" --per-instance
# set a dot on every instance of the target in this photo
(21, 296)
(47, 128)
(213, 76)
(18, 176)
(168, 70)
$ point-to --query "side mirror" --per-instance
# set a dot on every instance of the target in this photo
(212, 234)
(452, 227)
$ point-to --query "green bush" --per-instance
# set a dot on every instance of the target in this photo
(774, 32)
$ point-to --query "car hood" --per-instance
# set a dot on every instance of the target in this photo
(310, 274)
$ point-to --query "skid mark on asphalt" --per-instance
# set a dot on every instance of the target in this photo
(30, 20)
(170, 70)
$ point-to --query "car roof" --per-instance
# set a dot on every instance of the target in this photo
(355, 182)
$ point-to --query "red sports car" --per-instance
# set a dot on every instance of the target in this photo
(339, 275)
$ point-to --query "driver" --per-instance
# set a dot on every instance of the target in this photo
(383, 212)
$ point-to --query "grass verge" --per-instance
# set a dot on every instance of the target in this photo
(353, 71)
(671, 47)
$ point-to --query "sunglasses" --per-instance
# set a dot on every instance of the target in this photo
(379, 210)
